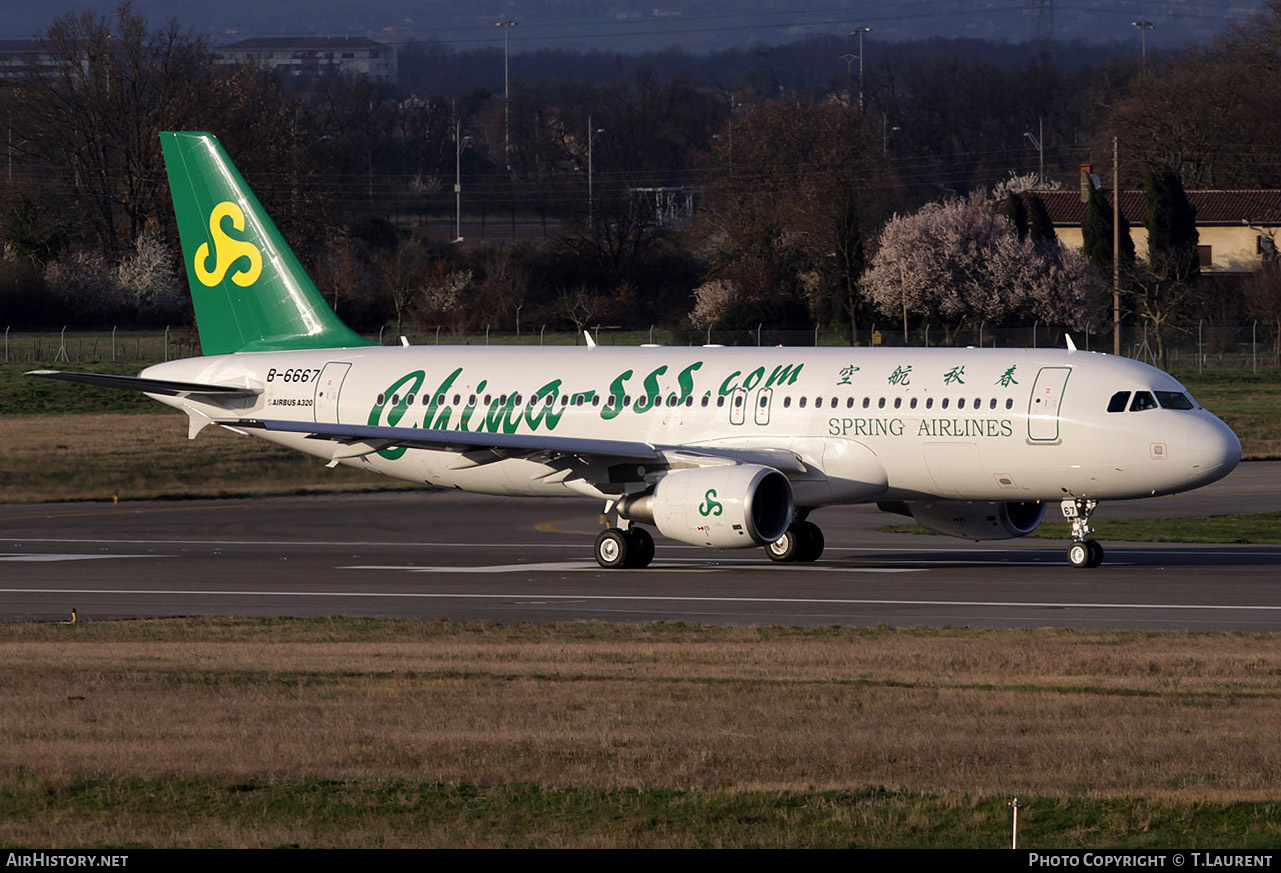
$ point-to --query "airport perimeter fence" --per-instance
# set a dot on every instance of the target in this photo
(1247, 347)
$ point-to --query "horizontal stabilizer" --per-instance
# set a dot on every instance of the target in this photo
(149, 386)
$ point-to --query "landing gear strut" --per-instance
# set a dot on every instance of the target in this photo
(1082, 552)
(802, 542)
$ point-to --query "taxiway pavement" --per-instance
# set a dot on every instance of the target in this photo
(434, 555)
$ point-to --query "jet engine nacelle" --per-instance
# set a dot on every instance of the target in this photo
(726, 507)
(997, 520)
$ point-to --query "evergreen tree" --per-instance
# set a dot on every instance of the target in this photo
(1016, 212)
(1096, 235)
(1039, 225)
(1171, 224)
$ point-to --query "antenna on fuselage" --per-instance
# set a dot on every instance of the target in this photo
(1067, 337)
(591, 343)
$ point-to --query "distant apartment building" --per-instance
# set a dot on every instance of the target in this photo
(17, 56)
(311, 55)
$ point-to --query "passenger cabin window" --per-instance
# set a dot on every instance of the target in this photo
(1142, 400)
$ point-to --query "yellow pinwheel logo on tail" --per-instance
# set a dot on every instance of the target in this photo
(227, 250)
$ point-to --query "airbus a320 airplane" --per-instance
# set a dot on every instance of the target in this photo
(718, 447)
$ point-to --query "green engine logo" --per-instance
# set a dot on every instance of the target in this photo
(710, 506)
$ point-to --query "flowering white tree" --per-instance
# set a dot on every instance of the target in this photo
(149, 278)
(711, 300)
(962, 259)
(85, 287)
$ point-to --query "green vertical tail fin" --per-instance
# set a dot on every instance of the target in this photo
(249, 291)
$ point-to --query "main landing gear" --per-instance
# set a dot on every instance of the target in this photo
(802, 542)
(1082, 552)
(630, 547)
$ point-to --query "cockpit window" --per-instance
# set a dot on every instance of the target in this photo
(1142, 400)
(1174, 400)
(1118, 401)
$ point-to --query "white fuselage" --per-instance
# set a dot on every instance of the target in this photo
(867, 424)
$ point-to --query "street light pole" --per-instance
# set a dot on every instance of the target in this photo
(860, 31)
(592, 133)
(1144, 27)
(1040, 150)
(460, 143)
(507, 155)
(849, 73)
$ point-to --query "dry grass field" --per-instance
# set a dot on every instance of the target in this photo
(345, 732)
(45, 458)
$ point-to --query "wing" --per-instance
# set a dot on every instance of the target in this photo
(358, 439)
(149, 386)
(425, 438)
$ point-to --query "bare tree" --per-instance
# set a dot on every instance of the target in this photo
(402, 270)
(580, 306)
(94, 111)
(1263, 297)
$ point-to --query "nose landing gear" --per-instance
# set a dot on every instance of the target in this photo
(1082, 552)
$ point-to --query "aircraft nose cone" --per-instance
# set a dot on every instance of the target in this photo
(1215, 451)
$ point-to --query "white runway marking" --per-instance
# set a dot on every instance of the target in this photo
(44, 559)
(591, 566)
(527, 596)
(960, 548)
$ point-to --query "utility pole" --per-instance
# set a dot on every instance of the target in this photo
(507, 94)
(1116, 250)
(860, 31)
